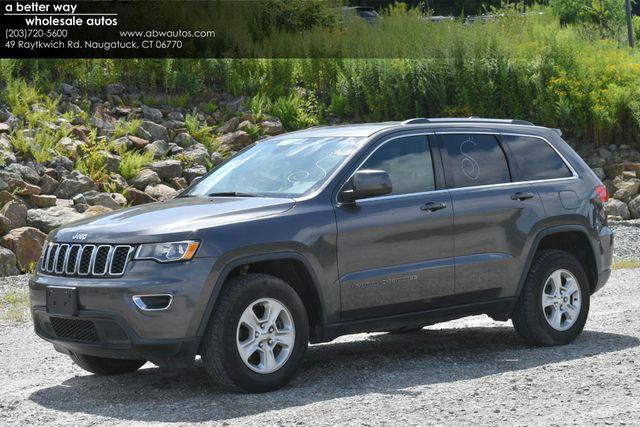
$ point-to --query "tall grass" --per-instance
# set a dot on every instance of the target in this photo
(568, 76)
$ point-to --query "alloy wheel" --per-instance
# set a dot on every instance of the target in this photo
(265, 335)
(561, 300)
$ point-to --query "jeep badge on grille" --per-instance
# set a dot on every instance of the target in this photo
(79, 236)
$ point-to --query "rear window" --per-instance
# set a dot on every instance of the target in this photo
(535, 159)
(475, 160)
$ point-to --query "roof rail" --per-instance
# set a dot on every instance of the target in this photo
(421, 120)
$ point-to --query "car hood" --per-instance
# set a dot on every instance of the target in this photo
(181, 218)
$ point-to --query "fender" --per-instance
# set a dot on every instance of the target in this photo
(552, 230)
(236, 262)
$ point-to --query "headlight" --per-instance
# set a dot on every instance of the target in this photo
(168, 252)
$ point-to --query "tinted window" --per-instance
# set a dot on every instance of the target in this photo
(535, 159)
(408, 163)
(475, 160)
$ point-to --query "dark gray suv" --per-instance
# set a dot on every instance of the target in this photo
(330, 231)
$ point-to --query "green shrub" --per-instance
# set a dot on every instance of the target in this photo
(132, 162)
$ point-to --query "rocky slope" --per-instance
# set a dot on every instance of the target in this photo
(162, 148)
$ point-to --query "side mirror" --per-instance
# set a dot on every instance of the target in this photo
(365, 184)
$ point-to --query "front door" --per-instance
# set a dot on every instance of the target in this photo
(395, 252)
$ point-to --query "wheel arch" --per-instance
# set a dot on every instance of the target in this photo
(291, 267)
(571, 238)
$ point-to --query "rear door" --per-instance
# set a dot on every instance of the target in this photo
(395, 252)
(493, 215)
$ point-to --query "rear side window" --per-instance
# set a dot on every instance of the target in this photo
(407, 161)
(534, 158)
(475, 160)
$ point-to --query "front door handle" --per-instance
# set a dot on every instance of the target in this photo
(522, 196)
(433, 206)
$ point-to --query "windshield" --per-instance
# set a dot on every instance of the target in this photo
(278, 167)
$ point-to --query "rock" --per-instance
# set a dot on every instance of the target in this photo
(191, 173)
(137, 142)
(145, 178)
(115, 89)
(68, 89)
(61, 162)
(230, 125)
(235, 141)
(625, 190)
(137, 197)
(48, 184)
(42, 201)
(178, 183)
(216, 158)
(79, 199)
(70, 146)
(615, 169)
(26, 243)
(102, 124)
(122, 143)
(119, 199)
(628, 175)
(27, 189)
(14, 215)
(160, 192)
(6, 197)
(76, 183)
(8, 263)
(81, 207)
(176, 115)
(173, 124)
(183, 139)
(97, 210)
(616, 207)
(141, 133)
(272, 127)
(236, 104)
(64, 203)
(245, 125)
(634, 207)
(167, 168)
(51, 218)
(95, 198)
(111, 161)
(160, 148)
(151, 113)
(154, 130)
(119, 181)
(5, 128)
(198, 155)
(25, 172)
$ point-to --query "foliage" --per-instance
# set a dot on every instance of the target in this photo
(132, 162)
(91, 160)
(14, 306)
(126, 127)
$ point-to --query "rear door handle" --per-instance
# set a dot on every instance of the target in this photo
(522, 196)
(432, 206)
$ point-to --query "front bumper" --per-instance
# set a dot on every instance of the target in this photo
(109, 324)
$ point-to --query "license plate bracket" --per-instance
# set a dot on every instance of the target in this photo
(62, 300)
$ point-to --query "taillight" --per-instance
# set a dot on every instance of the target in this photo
(602, 193)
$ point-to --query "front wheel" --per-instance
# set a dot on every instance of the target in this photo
(554, 304)
(106, 366)
(257, 335)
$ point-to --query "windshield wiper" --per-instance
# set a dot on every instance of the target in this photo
(230, 194)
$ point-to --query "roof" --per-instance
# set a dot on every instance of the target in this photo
(368, 129)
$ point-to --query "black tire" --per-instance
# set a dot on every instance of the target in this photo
(106, 366)
(528, 316)
(219, 352)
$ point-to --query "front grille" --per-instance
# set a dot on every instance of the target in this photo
(74, 329)
(64, 259)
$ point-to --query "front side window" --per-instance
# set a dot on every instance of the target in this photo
(475, 160)
(279, 167)
(534, 158)
(408, 162)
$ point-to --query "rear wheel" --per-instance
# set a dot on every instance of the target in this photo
(106, 366)
(257, 335)
(554, 304)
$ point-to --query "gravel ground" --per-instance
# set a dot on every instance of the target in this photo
(470, 371)
(626, 240)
